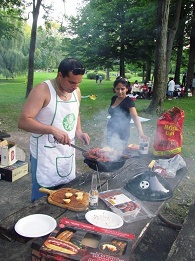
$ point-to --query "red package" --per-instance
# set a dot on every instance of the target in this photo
(169, 136)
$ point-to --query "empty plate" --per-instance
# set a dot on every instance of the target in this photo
(36, 225)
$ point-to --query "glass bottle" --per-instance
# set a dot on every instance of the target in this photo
(93, 193)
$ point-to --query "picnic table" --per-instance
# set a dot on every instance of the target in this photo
(108, 181)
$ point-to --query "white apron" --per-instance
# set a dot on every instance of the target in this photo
(55, 162)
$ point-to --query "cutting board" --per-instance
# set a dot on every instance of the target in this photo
(56, 198)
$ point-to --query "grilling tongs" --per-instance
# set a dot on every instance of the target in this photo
(74, 146)
(78, 148)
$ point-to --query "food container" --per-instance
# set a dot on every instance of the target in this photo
(75, 240)
(144, 145)
(125, 205)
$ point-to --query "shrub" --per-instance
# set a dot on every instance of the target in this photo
(140, 74)
(128, 75)
(91, 75)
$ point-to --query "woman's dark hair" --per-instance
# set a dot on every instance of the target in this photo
(71, 65)
(122, 80)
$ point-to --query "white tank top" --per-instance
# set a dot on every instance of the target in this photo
(55, 162)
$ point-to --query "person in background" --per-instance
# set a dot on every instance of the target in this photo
(96, 78)
(144, 92)
(51, 114)
(136, 88)
(100, 79)
(122, 109)
(193, 85)
(150, 89)
(171, 88)
(184, 79)
(181, 92)
(177, 91)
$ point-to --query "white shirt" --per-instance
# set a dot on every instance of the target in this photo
(136, 87)
(171, 86)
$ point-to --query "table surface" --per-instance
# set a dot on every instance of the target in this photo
(108, 181)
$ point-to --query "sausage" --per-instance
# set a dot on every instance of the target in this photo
(62, 246)
(65, 235)
(103, 155)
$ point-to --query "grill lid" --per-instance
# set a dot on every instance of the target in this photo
(149, 186)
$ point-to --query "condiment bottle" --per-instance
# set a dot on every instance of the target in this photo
(93, 193)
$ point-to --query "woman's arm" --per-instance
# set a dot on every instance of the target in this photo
(137, 122)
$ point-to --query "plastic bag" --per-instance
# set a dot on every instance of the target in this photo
(169, 167)
(169, 137)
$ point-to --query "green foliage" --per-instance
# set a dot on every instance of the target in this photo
(14, 61)
(48, 53)
(140, 74)
(10, 16)
(114, 29)
(92, 75)
(128, 75)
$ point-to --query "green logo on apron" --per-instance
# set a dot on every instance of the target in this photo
(69, 122)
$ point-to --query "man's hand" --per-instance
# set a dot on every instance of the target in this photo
(61, 137)
(84, 137)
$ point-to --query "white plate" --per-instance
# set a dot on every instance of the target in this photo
(104, 219)
(36, 225)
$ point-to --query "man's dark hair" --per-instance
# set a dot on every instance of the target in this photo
(69, 65)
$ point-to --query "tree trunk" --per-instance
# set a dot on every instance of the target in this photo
(191, 68)
(122, 62)
(148, 71)
(143, 72)
(180, 45)
(160, 82)
(171, 35)
(36, 8)
(179, 59)
(107, 74)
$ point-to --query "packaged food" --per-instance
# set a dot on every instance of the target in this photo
(125, 205)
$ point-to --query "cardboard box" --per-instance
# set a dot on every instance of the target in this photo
(8, 153)
(2, 144)
(14, 172)
(85, 243)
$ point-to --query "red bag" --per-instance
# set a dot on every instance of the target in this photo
(169, 136)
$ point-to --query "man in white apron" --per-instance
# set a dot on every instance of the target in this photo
(51, 114)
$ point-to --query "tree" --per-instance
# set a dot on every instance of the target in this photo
(10, 13)
(180, 43)
(160, 58)
(174, 22)
(48, 46)
(13, 61)
(35, 13)
(109, 31)
(36, 4)
(191, 68)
